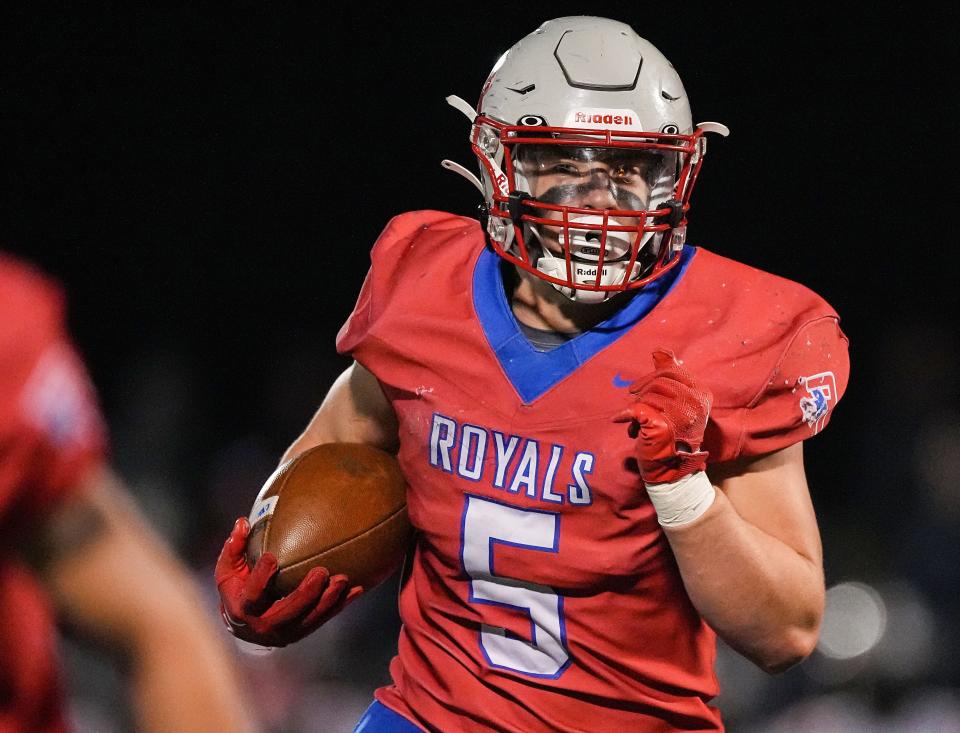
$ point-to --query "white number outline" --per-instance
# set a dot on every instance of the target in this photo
(488, 631)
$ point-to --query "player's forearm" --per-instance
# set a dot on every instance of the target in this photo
(760, 595)
(113, 578)
(183, 680)
(181, 675)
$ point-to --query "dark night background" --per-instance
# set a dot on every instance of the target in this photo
(207, 186)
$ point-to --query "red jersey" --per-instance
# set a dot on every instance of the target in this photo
(542, 594)
(50, 434)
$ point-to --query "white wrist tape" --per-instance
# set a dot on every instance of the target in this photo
(682, 501)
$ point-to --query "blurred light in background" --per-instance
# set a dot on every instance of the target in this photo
(854, 621)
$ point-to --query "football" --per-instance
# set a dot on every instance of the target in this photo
(341, 506)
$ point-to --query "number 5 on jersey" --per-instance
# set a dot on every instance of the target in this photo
(486, 524)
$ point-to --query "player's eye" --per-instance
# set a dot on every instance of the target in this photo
(624, 172)
(564, 169)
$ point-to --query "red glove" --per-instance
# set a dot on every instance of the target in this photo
(668, 418)
(253, 614)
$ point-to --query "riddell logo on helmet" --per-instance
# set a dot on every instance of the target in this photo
(599, 117)
(588, 271)
(582, 118)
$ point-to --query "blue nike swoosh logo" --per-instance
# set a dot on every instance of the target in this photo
(619, 381)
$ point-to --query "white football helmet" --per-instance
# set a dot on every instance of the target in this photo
(588, 156)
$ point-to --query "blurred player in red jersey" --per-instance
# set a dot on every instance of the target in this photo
(601, 426)
(75, 547)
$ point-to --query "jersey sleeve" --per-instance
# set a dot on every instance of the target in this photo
(797, 398)
(53, 432)
(59, 410)
(390, 259)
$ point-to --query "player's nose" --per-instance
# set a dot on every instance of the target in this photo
(599, 192)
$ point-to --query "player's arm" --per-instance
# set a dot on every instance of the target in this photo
(752, 563)
(114, 579)
(749, 553)
(355, 410)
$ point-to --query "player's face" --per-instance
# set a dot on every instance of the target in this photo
(590, 178)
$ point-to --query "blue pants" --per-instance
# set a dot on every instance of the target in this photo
(381, 719)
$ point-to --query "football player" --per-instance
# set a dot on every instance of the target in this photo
(76, 549)
(601, 425)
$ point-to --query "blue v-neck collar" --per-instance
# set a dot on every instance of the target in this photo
(533, 372)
